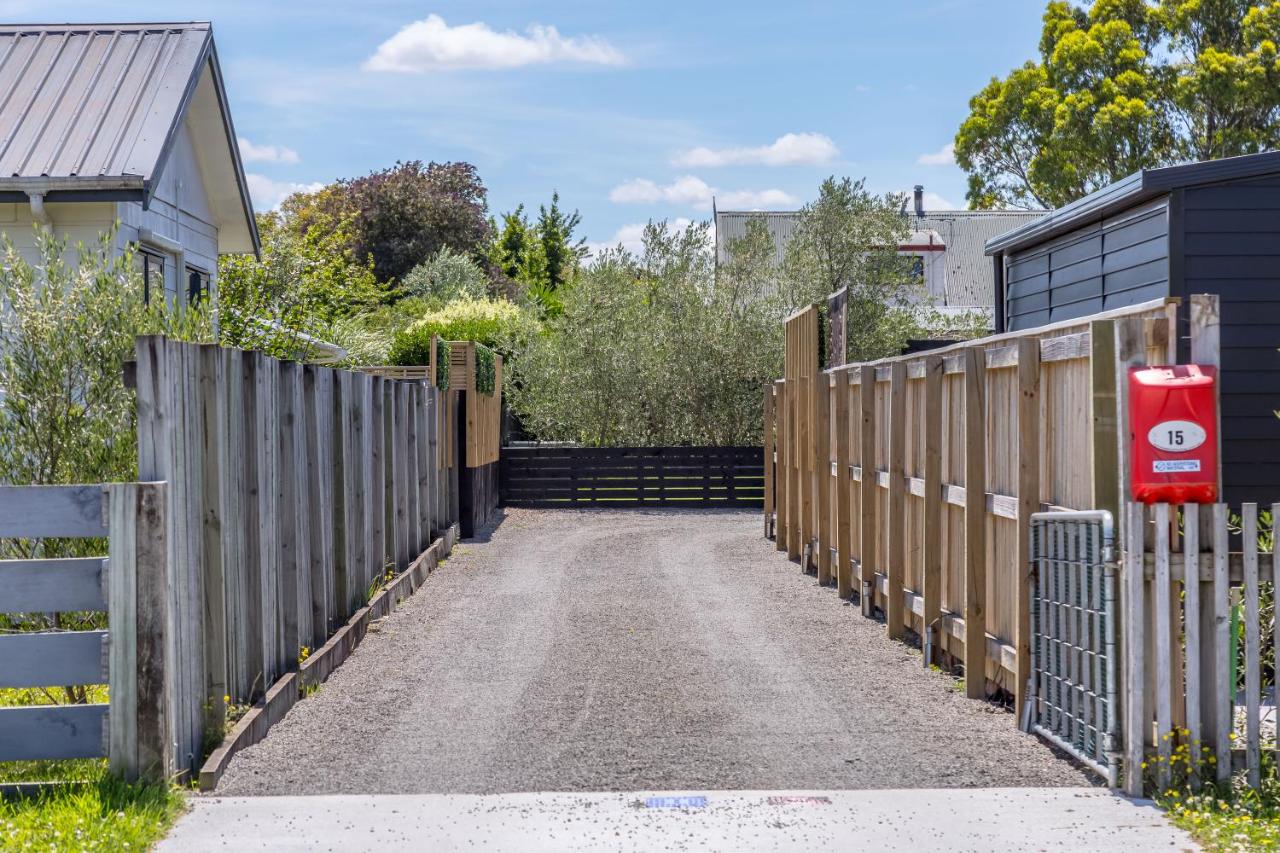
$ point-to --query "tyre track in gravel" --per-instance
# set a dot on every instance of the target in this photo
(626, 650)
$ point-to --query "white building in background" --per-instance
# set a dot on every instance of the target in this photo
(128, 123)
(949, 246)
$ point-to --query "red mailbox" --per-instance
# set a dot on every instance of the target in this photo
(1173, 433)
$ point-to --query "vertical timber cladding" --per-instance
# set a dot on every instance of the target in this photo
(480, 422)
(801, 372)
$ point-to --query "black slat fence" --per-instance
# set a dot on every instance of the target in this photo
(631, 476)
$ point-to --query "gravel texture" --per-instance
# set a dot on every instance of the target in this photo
(578, 650)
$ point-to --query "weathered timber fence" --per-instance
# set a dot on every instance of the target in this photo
(547, 476)
(1182, 580)
(134, 728)
(911, 481)
(294, 492)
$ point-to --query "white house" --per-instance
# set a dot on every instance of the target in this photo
(128, 123)
(949, 247)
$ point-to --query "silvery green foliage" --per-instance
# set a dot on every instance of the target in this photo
(67, 327)
(661, 348)
(445, 277)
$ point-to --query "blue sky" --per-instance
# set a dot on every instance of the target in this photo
(632, 110)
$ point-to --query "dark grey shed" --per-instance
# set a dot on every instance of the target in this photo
(1211, 227)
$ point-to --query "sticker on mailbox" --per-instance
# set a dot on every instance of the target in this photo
(1176, 466)
(1176, 437)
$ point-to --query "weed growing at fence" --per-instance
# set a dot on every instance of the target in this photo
(1228, 816)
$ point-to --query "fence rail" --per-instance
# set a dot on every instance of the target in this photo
(631, 476)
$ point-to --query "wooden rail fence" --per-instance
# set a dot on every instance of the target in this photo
(133, 729)
(911, 481)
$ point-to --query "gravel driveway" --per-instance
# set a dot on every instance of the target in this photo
(579, 650)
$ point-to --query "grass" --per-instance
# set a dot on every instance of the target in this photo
(1225, 817)
(85, 807)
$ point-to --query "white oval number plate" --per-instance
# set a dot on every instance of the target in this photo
(1176, 436)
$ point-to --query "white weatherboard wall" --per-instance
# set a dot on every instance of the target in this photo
(179, 212)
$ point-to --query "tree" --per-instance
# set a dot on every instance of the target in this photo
(849, 237)
(404, 215)
(1120, 86)
(555, 231)
(307, 279)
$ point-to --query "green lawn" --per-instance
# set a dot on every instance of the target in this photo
(91, 811)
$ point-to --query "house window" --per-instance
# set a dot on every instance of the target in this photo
(916, 266)
(152, 266)
(197, 285)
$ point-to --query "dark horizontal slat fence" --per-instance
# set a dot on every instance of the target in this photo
(631, 476)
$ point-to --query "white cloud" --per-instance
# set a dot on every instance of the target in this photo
(945, 156)
(791, 149)
(267, 193)
(433, 45)
(251, 153)
(694, 192)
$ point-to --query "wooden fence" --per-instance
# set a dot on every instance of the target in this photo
(1182, 581)
(911, 481)
(631, 476)
(294, 491)
(134, 728)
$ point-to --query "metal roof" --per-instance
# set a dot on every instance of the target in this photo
(94, 108)
(732, 225)
(971, 280)
(1135, 189)
(970, 277)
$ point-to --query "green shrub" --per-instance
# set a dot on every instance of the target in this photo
(486, 370)
(496, 323)
(410, 346)
(445, 277)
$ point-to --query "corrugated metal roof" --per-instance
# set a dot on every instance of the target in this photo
(970, 276)
(94, 101)
(732, 225)
(1135, 189)
(971, 280)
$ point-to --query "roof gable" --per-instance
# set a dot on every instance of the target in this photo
(93, 110)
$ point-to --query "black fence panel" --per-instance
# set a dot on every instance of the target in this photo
(632, 476)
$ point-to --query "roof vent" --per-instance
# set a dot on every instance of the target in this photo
(919, 199)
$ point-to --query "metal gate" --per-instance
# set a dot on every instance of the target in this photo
(1072, 689)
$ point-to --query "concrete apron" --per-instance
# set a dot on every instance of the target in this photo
(1004, 819)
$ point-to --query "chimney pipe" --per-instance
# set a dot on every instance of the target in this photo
(919, 199)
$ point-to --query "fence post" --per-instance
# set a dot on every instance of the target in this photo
(767, 433)
(975, 523)
(212, 423)
(932, 592)
(1028, 503)
(867, 490)
(382, 463)
(822, 472)
(896, 547)
(140, 723)
(1104, 417)
(1134, 623)
(844, 495)
(317, 390)
(290, 569)
(782, 471)
(808, 460)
